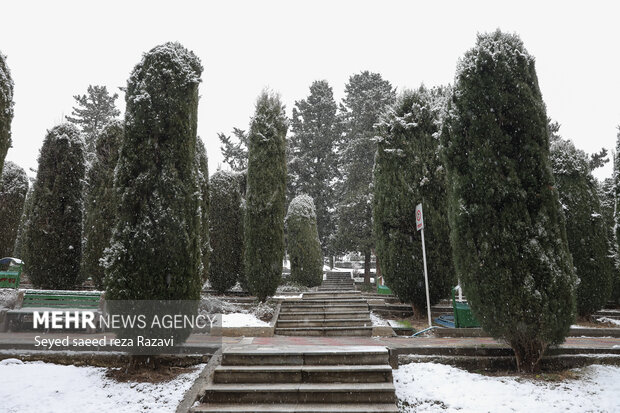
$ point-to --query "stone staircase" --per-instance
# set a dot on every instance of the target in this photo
(337, 281)
(300, 379)
(325, 314)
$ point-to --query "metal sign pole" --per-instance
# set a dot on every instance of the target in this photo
(420, 226)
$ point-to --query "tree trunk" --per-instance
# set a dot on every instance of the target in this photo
(528, 354)
(378, 275)
(367, 267)
(331, 262)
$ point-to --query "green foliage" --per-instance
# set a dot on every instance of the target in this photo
(155, 250)
(6, 108)
(226, 230)
(92, 113)
(586, 231)
(266, 192)
(507, 227)
(101, 202)
(408, 171)
(235, 153)
(53, 239)
(203, 181)
(313, 162)
(13, 189)
(20, 251)
(304, 247)
(367, 95)
(616, 289)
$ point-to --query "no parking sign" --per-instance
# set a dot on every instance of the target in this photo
(419, 218)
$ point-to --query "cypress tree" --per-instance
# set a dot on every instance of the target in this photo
(408, 171)
(203, 182)
(586, 232)
(155, 252)
(101, 201)
(20, 251)
(367, 95)
(13, 190)
(226, 230)
(507, 227)
(616, 177)
(304, 247)
(313, 161)
(266, 192)
(54, 230)
(6, 109)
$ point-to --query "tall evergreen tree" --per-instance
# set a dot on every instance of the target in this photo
(101, 201)
(304, 247)
(507, 227)
(226, 230)
(13, 189)
(6, 108)
(203, 181)
(155, 252)
(313, 162)
(54, 230)
(93, 112)
(408, 171)
(367, 95)
(586, 232)
(265, 199)
(616, 178)
(19, 250)
(235, 152)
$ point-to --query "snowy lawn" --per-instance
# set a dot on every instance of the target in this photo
(609, 320)
(429, 387)
(37, 386)
(242, 320)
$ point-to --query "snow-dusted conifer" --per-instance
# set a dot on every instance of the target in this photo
(265, 197)
(507, 228)
(313, 161)
(367, 95)
(226, 231)
(408, 171)
(101, 201)
(6, 108)
(155, 249)
(54, 231)
(13, 189)
(304, 247)
(203, 183)
(586, 232)
(20, 251)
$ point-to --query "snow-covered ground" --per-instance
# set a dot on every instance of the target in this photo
(429, 387)
(608, 320)
(44, 387)
(377, 320)
(242, 320)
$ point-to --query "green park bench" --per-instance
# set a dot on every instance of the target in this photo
(10, 277)
(463, 317)
(49, 300)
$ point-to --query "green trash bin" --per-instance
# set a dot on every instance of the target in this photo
(463, 318)
(383, 289)
(10, 277)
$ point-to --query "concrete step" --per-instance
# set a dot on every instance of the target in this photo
(334, 294)
(297, 307)
(304, 355)
(336, 322)
(303, 374)
(313, 315)
(297, 408)
(324, 301)
(325, 331)
(300, 393)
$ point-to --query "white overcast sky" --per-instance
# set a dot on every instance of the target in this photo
(56, 49)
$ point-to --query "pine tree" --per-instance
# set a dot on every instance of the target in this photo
(6, 109)
(235, 153)
(101, 201)
(408, 171)
(155, 252)
(304, 247)
(226, 230)
(203, 179)
(13, 189)
(93, 112)
(313, 162)
(266, 192)
(367, 95)
(54, 230)
(587, 236)
(507, 227)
